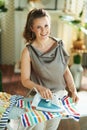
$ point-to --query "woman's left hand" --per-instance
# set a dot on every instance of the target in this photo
(75, 97)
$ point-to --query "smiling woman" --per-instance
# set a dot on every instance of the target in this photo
(44, 62)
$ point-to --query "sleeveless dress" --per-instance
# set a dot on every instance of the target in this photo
(47, 69)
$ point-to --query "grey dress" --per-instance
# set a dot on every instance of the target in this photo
(47, 69)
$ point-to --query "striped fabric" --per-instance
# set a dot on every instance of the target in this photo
(33, 116)
(70, 108)
(4, 120)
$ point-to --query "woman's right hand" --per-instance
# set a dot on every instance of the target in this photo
(44, 92)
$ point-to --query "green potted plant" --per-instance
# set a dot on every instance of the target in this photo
(79, 42)
(2, 6)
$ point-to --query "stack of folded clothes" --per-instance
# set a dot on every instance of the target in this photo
(4, 105)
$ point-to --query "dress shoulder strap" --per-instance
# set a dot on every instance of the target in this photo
(59, 41)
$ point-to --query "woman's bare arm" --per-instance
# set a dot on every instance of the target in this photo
(70, 84)
(69, 80)
(25, 69)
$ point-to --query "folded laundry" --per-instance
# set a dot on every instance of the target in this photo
(8, 107)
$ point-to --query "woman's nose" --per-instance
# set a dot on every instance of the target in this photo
(43, 29)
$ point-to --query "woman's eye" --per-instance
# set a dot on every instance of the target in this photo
(38, 27)
(46, 25)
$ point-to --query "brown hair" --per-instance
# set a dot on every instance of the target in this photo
(32, 15)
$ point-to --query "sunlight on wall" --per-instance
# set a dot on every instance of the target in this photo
(8, 40)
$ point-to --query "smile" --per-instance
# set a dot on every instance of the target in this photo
(43, 34)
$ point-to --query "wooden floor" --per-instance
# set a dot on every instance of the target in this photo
(65, 124)
(70, 124)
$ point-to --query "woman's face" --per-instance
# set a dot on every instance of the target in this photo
(41, 27)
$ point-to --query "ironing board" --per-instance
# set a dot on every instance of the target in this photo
(17, 113)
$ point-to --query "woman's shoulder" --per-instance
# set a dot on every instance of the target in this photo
(25, 51)
(58, 40)
(55, 38)
(28, 44)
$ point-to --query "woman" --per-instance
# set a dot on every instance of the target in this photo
(44, 62)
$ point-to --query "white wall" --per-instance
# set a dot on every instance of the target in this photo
(7, 35)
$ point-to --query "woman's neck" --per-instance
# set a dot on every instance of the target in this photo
(42, 43)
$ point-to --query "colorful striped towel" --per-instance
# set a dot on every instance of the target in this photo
(70, 108)
(33, 116)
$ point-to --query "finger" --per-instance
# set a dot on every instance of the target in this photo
(77, 99)
(43, 94)
(48, 94)
(73, 98)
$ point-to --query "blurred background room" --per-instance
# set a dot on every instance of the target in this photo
(69, 23)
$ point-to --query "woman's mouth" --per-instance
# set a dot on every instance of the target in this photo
(43, 35)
